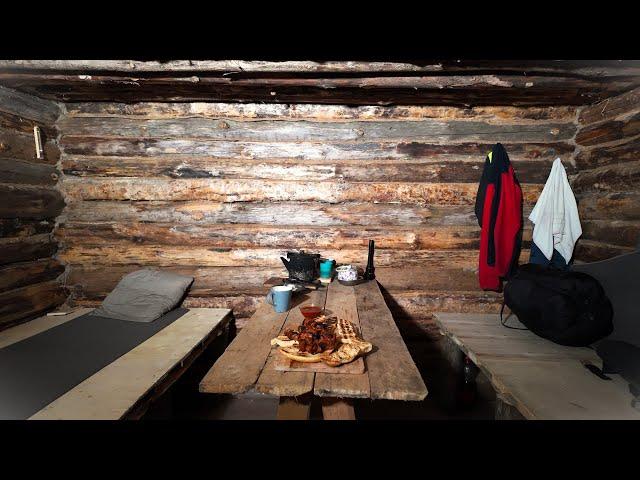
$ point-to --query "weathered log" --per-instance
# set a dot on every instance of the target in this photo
(609, 206)
(29, 202)
(21, 274)
(422, 304)
(332, 113)
(27, 302)
(609, 130)
(626, 151)
(262, 236)
(619, 177)
(18, 171)
(586, 68)
(20, 124)
(28, 106)
(96, 281)
(123, 147)
(616, 232)
(412, 90)
(429, 130)
(243, 306)
(407, 307)
(593, 251)
(611, 107)
(14, 250)
(220, 190)
(274, 214)
(21, 146)
(445, 170)
(17, 227)
(166, 255)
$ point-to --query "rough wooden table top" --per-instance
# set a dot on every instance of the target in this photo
(248, 362)
(541, 379)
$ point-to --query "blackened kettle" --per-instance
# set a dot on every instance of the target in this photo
(302, 265)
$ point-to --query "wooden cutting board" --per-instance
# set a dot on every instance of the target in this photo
(285, 364)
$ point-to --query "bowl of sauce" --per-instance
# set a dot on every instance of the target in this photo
(310, 311)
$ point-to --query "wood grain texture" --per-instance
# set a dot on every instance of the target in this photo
(587, 68)
(238, 369)
(446, 237)
(622, 177)
(159, 189)
(609, 205)
(220, 190)
(624, 151)
(518, 364)
(393, 374)
(607, 180)
(23, 303)
(609, 131)
(128, 147)
(610, 108)
(29, 203)
(616, 232)
(18, 227)
(477, 88)
(21, 274)
(452, 169)
(21, 146)
(28, 248)
(28, 106)
(341, 301)
(166, 255)
(27, 173)
(427, 130)
(285, 213)
(330, 113)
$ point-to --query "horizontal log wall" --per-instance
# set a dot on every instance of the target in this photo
(218, 191)
(29, 205)
(607, 184)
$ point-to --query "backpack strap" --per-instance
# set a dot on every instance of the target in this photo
(504, 321)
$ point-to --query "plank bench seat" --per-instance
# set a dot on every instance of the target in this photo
(126, 387)
(539, 378)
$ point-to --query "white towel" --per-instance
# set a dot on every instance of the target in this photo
(557, 224)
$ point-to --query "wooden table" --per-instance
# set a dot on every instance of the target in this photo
(535, 378)
(248, 363)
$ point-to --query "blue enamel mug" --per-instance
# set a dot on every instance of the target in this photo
(280, 297)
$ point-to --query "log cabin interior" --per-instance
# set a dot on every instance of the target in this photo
(215, 169)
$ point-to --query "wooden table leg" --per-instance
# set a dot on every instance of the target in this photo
(338, 409)
(294, 408)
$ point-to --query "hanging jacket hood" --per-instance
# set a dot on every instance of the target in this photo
(555, 215)
(499, 212)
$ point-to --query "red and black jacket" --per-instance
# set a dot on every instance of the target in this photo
(499, 213)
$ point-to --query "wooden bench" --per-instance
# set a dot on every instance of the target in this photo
(533, 377)
(125, 388)
(248, 365)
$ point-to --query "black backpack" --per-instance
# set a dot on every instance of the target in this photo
(568, 308)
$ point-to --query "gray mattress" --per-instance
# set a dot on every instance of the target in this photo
(39, 369)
